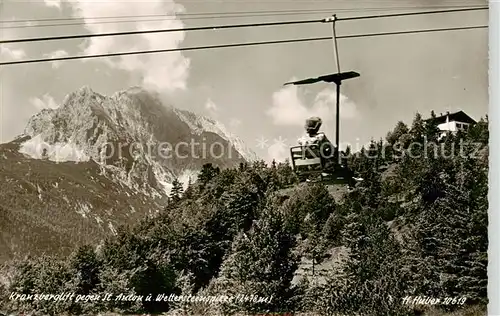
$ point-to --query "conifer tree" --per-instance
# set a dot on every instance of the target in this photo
(417, 130)
(176, 192)
(207, 173)
(262, 263)
(189, 192)
(431, 128)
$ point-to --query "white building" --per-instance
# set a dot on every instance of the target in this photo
(453, 122)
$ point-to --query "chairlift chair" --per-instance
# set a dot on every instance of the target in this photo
(307, 161)
(309, 166)
(302, 163)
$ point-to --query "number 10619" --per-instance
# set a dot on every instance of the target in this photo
(454, 300)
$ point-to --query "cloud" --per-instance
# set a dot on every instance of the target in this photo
(56, 54)
(9, 51)
(12, 54)
(277, 152)
(212, 109)
(165, 71)
(327, 98)
(211, 106)
(234, 122)
(53, 3)
(288, 106)
(45, 102)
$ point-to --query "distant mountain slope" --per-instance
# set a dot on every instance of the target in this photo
(96, 162)
(49, 207)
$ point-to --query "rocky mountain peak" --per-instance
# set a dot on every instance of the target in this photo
(125, 133)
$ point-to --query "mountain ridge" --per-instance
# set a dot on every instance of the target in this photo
(80, 171)
(87, 122)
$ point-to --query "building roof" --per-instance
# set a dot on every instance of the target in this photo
(459, 116)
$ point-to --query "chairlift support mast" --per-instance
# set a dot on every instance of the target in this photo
(336, 78)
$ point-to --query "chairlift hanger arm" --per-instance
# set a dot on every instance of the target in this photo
(331, 78)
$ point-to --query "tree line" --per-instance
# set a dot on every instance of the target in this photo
(412, 227)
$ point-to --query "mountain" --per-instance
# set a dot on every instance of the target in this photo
(97, 162)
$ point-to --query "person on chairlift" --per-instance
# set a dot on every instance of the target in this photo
(328, 151)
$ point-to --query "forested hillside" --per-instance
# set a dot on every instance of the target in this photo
(416, 226)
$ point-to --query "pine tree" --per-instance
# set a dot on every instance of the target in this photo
(479, 132)
(86, 266)
(431, 128)
(240, 201)
(348, 151)
(189, 192)
(262, 263)
(207, 173)
(417, 130)
(176, 192)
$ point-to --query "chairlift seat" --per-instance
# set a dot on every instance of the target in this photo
(308, 164)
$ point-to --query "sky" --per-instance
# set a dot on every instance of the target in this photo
(243, 87)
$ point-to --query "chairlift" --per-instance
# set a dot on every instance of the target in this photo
(308, 162)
